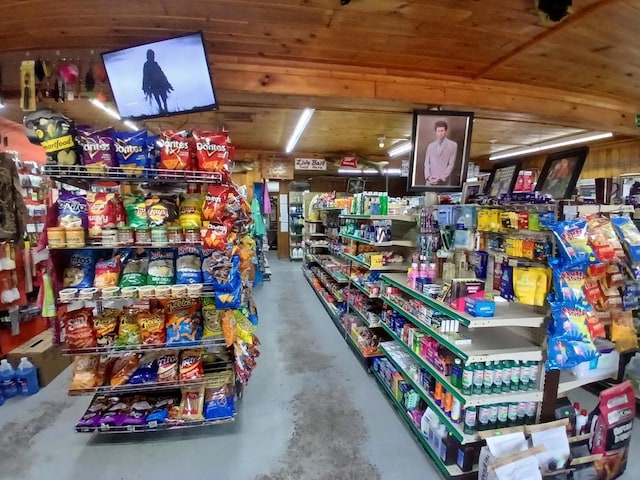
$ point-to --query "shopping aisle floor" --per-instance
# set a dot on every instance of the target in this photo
(310, 412)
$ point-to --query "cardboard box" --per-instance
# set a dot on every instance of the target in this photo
(46, 357)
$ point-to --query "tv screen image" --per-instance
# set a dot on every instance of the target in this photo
(168, 77)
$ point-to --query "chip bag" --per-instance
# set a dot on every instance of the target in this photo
(136, 211)
(181, 319)
(106, 328)
(630, 236)
(107, 273)
(229, 326)
(569, 283)
(212, 150)
(72, 210)
(215, 202)
(218, 396)
(168, 367)
(162, 211)
(123, 368)
(216, 237)
(147, 371)
(231, 300)
(152, 329)
(188, 265)
(134, 272)
(161, 267)
(129, 330)
(603, 239)
(131, 151)
(81, 269)
(85, 369)
(98, 152)
(190, 211)
(623, 332)
(191, 403)
(573, 242)
(175, 153)
(191, 365)
(102, 213)
(79, 328)
(211, 319)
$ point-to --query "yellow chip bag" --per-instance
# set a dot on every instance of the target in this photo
(190, 211)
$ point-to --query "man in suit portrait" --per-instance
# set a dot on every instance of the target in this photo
(440, 157)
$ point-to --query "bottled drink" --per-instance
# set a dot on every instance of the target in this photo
(515, 375)
(487, 383)
(478, 378)
(467, 379)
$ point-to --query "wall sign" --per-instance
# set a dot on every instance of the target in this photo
(349, 161)
(310, 164)
(277, 167)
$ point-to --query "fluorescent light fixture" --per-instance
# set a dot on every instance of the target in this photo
(104, 108)
(561, 142)
(131, 125)
(303, 121)
(399, 149)
(392, 172)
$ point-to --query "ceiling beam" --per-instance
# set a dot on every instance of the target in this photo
(571, 19)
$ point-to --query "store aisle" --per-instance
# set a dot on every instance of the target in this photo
(310, 412)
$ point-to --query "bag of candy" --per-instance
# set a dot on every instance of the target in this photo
(78, 326)
(573, 242)
(131, 151)
(630, 236)
(569, 341)
(81, 269)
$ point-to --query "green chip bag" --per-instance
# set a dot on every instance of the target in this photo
(136, 211)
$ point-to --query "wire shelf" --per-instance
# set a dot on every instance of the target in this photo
(154, 426)
(123, 349)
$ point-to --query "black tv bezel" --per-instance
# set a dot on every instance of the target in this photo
(185, 112)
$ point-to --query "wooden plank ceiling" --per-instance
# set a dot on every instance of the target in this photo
(588, 61)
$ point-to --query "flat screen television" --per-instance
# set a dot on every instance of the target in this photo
(168, 77)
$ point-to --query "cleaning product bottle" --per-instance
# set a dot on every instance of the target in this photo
(506, 375)
(581, 422)
(8, 380)
(478, 378)
(27, 377)
(467, 379)
(515, 375)
(525, 371)
(487, 383)
(498, 377)
(533, 374)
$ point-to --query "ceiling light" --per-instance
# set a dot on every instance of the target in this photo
(131, 125)
(301, 125)
(381, 139)
(392, 172)
(561, 142)
(105, 108)
(399, 149)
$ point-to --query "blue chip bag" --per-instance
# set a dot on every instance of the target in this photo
(147, 371)
(630, 236)
(229, 300)
(81, 270)
(573, 242)
(218, 396)
(569, 283)
(227, 279)
(131, 151)
(569, 339)
(189, 264)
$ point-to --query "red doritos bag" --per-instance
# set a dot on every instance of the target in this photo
(175, 153)
(212, 150)
(215, 203)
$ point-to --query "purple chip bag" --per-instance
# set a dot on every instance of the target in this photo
(117, 412)
(93, 415)
(72, 210)
(98, 152)
(138, 412)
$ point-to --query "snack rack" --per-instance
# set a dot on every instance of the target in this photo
(217, 355)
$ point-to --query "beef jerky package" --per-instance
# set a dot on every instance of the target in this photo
(611, 423)
(56, 134)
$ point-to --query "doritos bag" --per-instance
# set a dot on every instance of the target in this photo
(174, 153)
(98, 153)
(212, 150)
(131, 151)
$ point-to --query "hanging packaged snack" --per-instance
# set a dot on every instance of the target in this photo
(123, 369)
(211, 318)
(102, 210)
(229, 326)
(231, 300)
(192, 403)
(212, 151)
(131, 151)
(182, 320)
(56, 134)
(603, 239)
(610, 300)
(215, 203)
(244, 327)
(630, 236)
(530, 285)
(134, 271)
(191, 365)
(569, 340)
(93, 415)
(72, 210)
(107, 273)
(596, 329)
(569, 283)
(105, 365)
(162, 211)
(81, 269)
(139, 409)
(85, 369)
(152, 329)
(216, 237)
(136, 210)
(218, 396)
(147, 370)
(190, 211)
(78, 326)
(129, 330)
(573, 242)
(623, 331)
(506, 283)
(106, 327)
(175, 152)
(613, 277)
(98, 152)
(168, 367)
(161, 267)
(189, 265)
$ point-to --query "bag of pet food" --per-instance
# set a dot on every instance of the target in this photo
(611, 424)
(56, 134)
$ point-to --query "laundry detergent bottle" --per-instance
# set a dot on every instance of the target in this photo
(8, 384)
(27, 377)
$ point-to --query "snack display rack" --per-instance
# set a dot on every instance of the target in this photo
(212, 347)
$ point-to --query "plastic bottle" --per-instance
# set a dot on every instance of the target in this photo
(576, 408)
(27, 377)
(487, 382)
(456, 409)
(525, 375)
(530, 413)
(470, 420)
(515, 375)
(8, 380)
(522, 409)
(512, 415)
(581, 422)
(449, 449)
(533, 375)
(493, 416)
(503, 415)
(484, 412)
(438, 394)
(447, 403)
(498, 376)
(456, 373)
(478, 378)
(467, 379)
(506, 376)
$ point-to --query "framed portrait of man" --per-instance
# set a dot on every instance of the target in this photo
(561, 172)
(440, 153)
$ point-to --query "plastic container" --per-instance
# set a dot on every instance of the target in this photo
(75, 237)
(110, 237)
(175, 235)
(8, 384)
(125, 236)
(159, 236)
(192, 235)
(27, 378)
(57, 237)
(143, 236)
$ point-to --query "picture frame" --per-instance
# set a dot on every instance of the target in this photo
(560, 173)
(471, 188)
(502, 178)
(440, 150)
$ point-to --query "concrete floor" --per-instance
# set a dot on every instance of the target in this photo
(310, 412)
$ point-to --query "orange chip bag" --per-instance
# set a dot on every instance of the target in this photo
(78, 326)
(216, 237)
(129, 331)
(191, 365)
(106, 327)
(151, 328)
(85, 369)
(182, 319)
(175, 153)
(229, 327)
(123, 368)
(212, 150)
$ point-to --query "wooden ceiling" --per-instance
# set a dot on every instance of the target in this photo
(363, 65)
